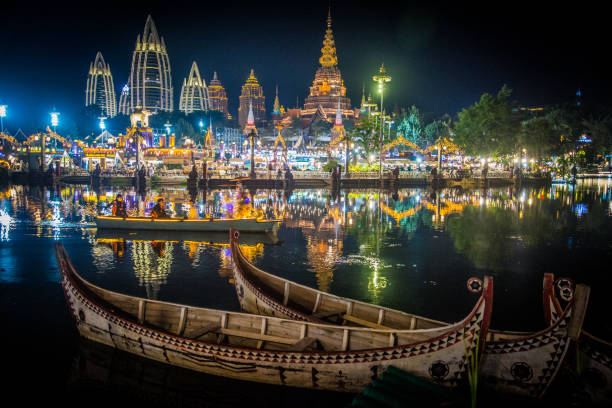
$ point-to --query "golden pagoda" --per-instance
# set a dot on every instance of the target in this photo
(328, 87)
(252, 94)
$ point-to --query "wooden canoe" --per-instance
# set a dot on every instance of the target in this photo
(514, 362)
(213, 237)
(182, 224)
(268, 349)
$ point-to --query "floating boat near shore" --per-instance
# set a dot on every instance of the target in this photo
(515, 362)
(269, 349)
(183, 224)
(213, 237)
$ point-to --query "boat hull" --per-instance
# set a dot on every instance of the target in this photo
(514, 363)
(441, 357)
(180, 224)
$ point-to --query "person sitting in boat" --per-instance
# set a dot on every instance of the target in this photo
(119, 208)
(159, 211)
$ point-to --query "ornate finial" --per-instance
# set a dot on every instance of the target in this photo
(329, 20)
(215, 76)
(328, 58)
(252, 72)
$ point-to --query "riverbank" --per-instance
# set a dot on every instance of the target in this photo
(350, 181)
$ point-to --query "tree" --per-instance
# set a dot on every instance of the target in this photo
(184, 129)
(600, 132)
(319, 127)
(435, 130)
(411, 126)
(538, 136)
(488, 128)
(365, 136)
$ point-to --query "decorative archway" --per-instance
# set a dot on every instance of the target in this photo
(401, 140)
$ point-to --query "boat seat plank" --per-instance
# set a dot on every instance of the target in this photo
(364, 323)
(211, 327)
(257, 336)
(303, 344)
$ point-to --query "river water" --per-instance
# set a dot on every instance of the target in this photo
(412, 250)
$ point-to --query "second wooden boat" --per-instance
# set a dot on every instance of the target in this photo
(514, 362)
(268, 349)
(183, 224)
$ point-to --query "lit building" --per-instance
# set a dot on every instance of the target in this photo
(217, 98)
(100, 89)
(150, 83)
(328, 86)
(194, 95)
(252, 97)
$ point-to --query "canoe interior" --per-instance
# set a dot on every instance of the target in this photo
(318, 306)
(240, 329)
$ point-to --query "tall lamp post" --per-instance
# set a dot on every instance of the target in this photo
(102, 127)
(54, 119)
(381, 78)
(252, 137)
(2, 116)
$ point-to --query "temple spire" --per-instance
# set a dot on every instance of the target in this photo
(328, 52)
(276, 108)
(250, 118)
(338, 115)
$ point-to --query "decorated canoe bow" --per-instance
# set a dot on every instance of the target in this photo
(514, 362)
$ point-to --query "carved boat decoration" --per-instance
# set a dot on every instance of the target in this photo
(183, 224)
(268, 349)
(514, 362)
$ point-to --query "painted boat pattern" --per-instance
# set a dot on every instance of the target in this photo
(525, 365)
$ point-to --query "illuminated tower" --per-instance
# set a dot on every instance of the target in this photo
(217, 98)
(328, 86)
(100, 88)
(124, 100)
(150, 78)
(194, 96)
(250, 122)
(252, 94)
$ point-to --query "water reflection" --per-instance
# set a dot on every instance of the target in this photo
(367, 244)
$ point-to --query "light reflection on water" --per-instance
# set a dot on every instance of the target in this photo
(400, 249)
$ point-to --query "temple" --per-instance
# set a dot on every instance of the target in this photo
(150, 83)
(194, 95)
(328, 87)
(217, 98)
(252, 97)
(100, 89)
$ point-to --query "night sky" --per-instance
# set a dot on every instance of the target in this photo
(442, 57)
